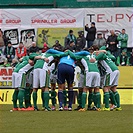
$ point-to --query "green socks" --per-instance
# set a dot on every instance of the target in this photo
(53, 97)
(117, 98)
(112, 98)
(46, 97)
(90, 99)
(27, 98)
(106, 99)
(14, 98)
(84, 97)
(21, 97)
(43, 100)
(35, 99)
(79, 98)
(98, 99)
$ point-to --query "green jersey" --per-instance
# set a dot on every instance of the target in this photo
(41, 62)
(89, 66)
(25, 58)
(24, 66)
(106, 62)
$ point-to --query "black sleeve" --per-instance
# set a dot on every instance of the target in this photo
(86, 28)
(30, 50)
(37, 50)
(66, 41)
(108, 40)
(5, 51)
(13, 52)
(83, 42)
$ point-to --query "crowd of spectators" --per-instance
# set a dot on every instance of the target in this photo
(115, 43)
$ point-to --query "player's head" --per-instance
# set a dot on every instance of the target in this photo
(91, 49)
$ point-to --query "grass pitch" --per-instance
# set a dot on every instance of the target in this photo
(66, 121)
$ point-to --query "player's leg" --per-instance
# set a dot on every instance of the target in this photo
(53, 80)
(70, 79)
(65, 98)
(84, 97)
(112, 100)
(35, 88)
(53, 95)
(14, 99)
(114, 78)
(106, 89)
(79, 99)
(97, 95)
(106, 97)
(117, 97)
(43, 100)
(21, 93)
(90, 99)
(97, 98)
(15, 86)
(61, 84)
(34, 96)
(44, 84)
(88, 77)
(28, 92)
(30, 89)
(80, 91)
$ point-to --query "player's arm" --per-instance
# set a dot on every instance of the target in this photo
(112, 57)
(71, 54)
(100, 56)
(82, 53)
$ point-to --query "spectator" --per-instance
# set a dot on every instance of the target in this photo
(45, 47)
(3, 60)
(71, 46)
(70, 37)
(21, 51)
(9, 52)
(14, 63)
(99, 41)
(112, 43)
(34, 48)
(91, 32)
(28, 39)
(123, 59)
(123, 39)
(3, 41)
(58, 46)
(131, 59)
(2, 44)
(81, 41)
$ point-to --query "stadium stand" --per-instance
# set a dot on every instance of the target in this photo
(64, 3)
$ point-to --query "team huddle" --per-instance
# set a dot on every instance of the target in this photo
(37, 71)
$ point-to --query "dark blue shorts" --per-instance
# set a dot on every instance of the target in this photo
(65, 72)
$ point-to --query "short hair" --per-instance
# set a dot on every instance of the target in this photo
(9, 42)
(123, 29)
(71, 42)
(21, 42)
(70, 31)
